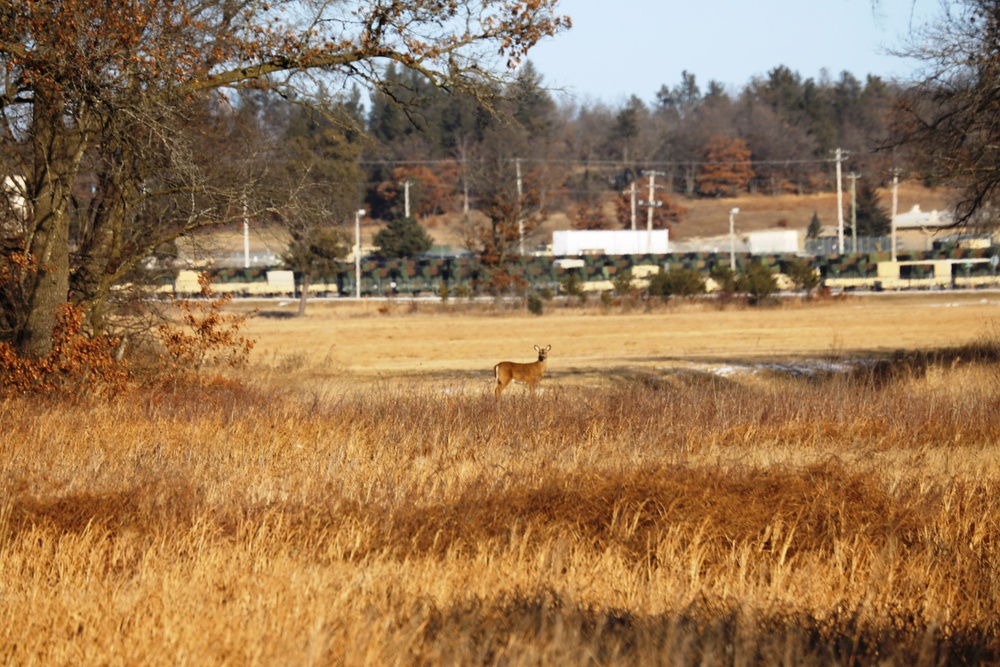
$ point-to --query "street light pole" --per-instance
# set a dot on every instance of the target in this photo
(732, 239)
(357, 252)
(854, 211)
(895, 207)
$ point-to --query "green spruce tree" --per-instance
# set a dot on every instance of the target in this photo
(403, 237)
(872, 218)
(814, 229)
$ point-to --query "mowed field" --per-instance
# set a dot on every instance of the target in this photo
(458, 343)
(810, 484)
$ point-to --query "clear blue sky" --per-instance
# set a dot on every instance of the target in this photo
(618, 48)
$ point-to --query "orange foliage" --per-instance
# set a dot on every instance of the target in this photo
(589, 214)
(75, 366)
(431, 190)
(727, 170)
(207, 335)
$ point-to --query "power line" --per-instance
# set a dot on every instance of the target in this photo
(618, 164)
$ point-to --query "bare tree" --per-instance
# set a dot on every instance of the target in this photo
(513, 215)
(950, 120)
(116, 85)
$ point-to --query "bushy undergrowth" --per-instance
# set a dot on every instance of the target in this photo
(81, 364)
(846, 519)
(76, 364)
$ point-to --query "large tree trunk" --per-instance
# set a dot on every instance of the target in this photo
(58, 150)
(304, 295)
(50, 284)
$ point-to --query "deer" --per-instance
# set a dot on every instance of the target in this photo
(510, 371)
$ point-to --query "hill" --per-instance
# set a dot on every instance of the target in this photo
(710, 217)
(704, 218)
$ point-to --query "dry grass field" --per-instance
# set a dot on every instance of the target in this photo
(456, 344)
(811, 484)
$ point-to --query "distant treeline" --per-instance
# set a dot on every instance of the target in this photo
(779, 134)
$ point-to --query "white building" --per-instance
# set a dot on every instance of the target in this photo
(917, 219)
(773, 242)
(610, 242)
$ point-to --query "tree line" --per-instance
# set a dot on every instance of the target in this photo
(775, 136)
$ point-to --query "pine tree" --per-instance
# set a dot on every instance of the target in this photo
(872, 218)
(403, 237)
(814, 229)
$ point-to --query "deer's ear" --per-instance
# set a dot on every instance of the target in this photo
(548, 347)
(538, 349)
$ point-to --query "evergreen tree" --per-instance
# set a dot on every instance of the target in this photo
(534, 109)
(814, 229)
(682, 97)
(872, 218)
(403, 237)
(624, 138)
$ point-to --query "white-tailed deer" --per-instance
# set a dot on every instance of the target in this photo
(510, 371)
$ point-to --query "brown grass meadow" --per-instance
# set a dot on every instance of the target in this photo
(811, 484)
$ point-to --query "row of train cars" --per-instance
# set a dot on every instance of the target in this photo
(934, 269)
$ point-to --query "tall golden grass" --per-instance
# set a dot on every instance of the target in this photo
(831, 518)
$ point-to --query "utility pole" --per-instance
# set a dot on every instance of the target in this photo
(840, 155)
(650, 204)
(520, 218)
(854, 211)
(895, 206)
(633, 192)
(652, 198)
(465, 198)
(732, 239)
(357, 252)
(463, 155)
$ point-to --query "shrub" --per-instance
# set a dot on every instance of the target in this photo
(678, 282)
(205, 334)
(726, 278)
(758, 282)
(622, 283)
(803, 276)
(534, 304)
(76, 365)
(572, 285)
